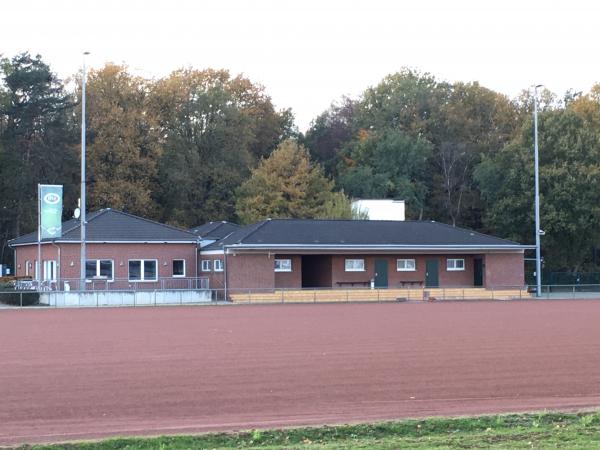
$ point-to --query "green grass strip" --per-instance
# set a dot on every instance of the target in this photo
(538, 431)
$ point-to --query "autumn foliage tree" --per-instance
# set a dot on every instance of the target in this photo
(213, 128)
(124, 144)
(288, 185)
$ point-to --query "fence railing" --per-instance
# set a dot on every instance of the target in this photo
(117, 284)
(169, 292)
(366, 294)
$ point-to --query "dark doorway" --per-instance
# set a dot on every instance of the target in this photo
(381, 273)
(478, 272)
(316, 271)
(431, 273)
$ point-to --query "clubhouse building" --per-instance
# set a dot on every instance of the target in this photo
(124, 250)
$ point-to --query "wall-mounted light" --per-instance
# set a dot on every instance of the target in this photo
(71, 264)
(19, 266)
(165, 263)
(121, 264)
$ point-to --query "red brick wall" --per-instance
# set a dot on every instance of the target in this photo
(504, 270)
(395, 278)
(250, 271)
(216, 279)
(119, 253)
(256, 271)
(291, 279)
(456, 278)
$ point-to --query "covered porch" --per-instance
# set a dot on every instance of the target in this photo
(384, 271)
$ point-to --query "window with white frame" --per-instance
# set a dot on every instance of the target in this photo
(27, 268)
(455, 264)
(179, 268)
(99, 268)
(355, 265)
(142, 270)
(206, 263)
(218, 265)
(50, 271)
(283, 265)
(406, 265)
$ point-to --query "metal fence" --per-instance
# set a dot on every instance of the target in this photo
(571, 278)
(365, 294)
(182, 292)
(103, 284)
(415, 294)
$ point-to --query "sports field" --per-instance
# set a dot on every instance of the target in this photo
(85, 373)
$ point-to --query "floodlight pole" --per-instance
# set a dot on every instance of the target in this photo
(82, 258)
(538, 259)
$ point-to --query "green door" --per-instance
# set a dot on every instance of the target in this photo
(478, 272)
(381, 273)
(431, 273)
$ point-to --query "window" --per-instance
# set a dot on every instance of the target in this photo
(179, 268)
(218, 265)
(49, 270)
(142, 270)
(283, 265)
(406, 265)
(27, 267)
(99, 268)
(355, 265)
(206, 265)
(455, 264)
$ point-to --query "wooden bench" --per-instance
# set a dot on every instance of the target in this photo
(352, 283)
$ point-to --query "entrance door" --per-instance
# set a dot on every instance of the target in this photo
(431, 273)
(381, 273)
(478, 272)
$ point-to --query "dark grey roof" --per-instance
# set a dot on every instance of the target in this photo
(109, 225)
(279, 233)
(215, 230)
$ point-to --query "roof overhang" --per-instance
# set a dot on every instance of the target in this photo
(312, 248)
(58, 241)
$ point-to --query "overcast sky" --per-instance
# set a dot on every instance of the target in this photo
(309, 53)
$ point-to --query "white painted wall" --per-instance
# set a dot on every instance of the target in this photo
(381, 209)
(125, 298)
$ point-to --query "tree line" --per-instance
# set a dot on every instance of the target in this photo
(200, 145)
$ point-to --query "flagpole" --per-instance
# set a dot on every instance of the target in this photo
(38, 269)
(82, 206)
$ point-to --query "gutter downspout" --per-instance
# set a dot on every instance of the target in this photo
(225, 270)
(197, 274)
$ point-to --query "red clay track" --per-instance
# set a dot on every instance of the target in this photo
(83, 373)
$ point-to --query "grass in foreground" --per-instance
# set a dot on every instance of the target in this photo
(513, 431)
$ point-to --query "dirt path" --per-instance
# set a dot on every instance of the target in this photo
(83, 373)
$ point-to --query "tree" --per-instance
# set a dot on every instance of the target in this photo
(35, 141)
(124, 143)
(453, 125)
(472, 122)
(569, 183)
(328, 133)
(213, 129)
(288, 185)
(388, 164)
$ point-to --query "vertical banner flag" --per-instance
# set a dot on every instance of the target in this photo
(51, 197)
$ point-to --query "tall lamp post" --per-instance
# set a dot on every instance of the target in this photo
(538, 231)
(82, 205)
